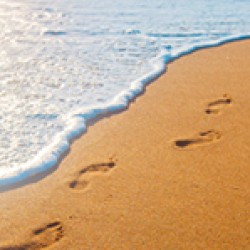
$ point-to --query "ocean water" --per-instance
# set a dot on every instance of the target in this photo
(64, 62)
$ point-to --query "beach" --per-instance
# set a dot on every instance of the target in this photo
(170, 172)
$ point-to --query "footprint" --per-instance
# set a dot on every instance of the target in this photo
(79, 183)
(215, 106)
(202, 139)
(41, 238)
(48, 235)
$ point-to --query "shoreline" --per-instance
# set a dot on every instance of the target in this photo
(51, 163)
(159, 175)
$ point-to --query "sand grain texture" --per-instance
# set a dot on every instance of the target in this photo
(171, 172)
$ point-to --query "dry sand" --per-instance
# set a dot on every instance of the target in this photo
(171, 172)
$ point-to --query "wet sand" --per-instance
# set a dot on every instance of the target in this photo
(170, 172)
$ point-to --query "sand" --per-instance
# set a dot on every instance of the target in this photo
(170, 172)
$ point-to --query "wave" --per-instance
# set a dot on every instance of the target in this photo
(77, 122)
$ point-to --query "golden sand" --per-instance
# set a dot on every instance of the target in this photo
(171, 172)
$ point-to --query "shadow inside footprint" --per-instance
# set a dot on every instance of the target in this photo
(79, 183)
(215, 106)
(183, 143)
(203, 138)
(41, 238)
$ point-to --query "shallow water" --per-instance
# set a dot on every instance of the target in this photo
(59, 59)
